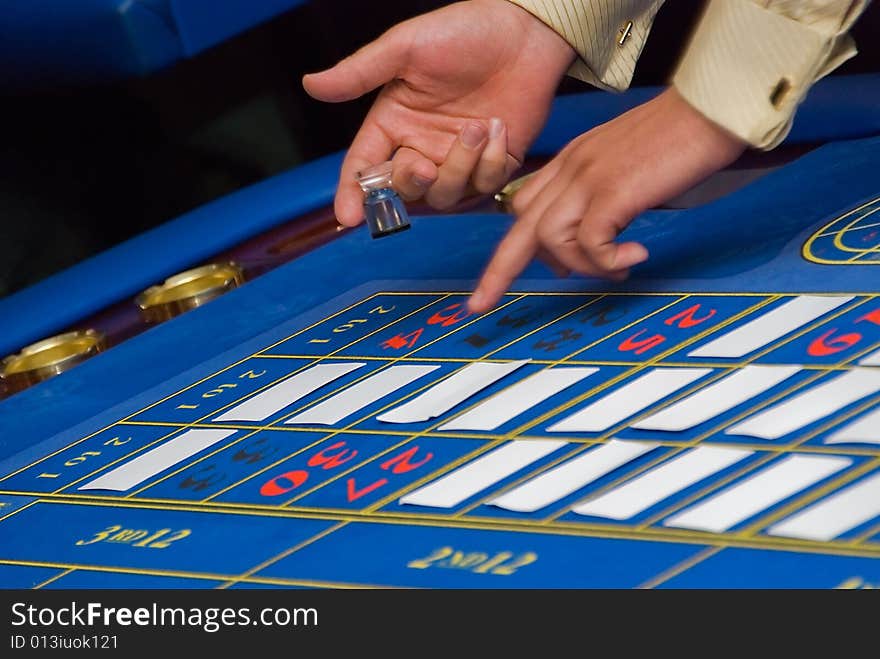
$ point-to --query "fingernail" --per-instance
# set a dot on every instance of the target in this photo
(476, 301)
(496, 127)
(473, 135)
(635, 254)
(421, 182)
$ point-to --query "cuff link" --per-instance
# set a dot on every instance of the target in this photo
(625, 32)
(780, 93)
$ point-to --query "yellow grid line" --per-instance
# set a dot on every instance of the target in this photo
(18, 510)
(686, 536)
(590, 362)
(853, 229)
(54, 578)
(570, 439)
(866, 535)
(680, 568)
(839, 235)
(487, 522)
(183, 574)
(287, 552)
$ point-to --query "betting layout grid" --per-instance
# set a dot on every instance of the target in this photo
(246, 470)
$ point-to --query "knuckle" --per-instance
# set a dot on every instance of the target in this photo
(441, 201)
(480, 182)
(486, 184)
(520, 203)
(483, 186)
(547, 235)
(458, 168)
(588, 247)
(601, 257)
(612, 201)
(408, 195)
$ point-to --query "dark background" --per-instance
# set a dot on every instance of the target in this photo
(82, 169)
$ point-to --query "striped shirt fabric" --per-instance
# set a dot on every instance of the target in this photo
(747, 66)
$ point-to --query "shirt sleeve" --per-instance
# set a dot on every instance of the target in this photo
(608, 35)
(750, 63)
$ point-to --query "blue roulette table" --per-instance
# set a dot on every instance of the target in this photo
(338, 420)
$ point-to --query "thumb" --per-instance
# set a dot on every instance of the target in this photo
(370, 67)
(597, 236)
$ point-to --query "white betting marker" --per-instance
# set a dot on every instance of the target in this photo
(476, 476)
(871, 360)
(770, 326)
(518, 398)
(629, 399)
(157, 460)
(639, 494)
(571, 476)
(448, 393)
(835, 514)
(814, 404)
(863, 431)
(749, 497)
(278, 396)
(717, 398)
(359, 395)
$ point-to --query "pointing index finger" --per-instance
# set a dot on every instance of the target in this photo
(512, 256)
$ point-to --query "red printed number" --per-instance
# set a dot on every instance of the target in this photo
(399, 464)
(444, 318)
(284, 483)
(639, 347)
(688, 317)
(328, 458)
(329, 461)
(826, 345)
(872, 317)
(402, 340)
(354, 494)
